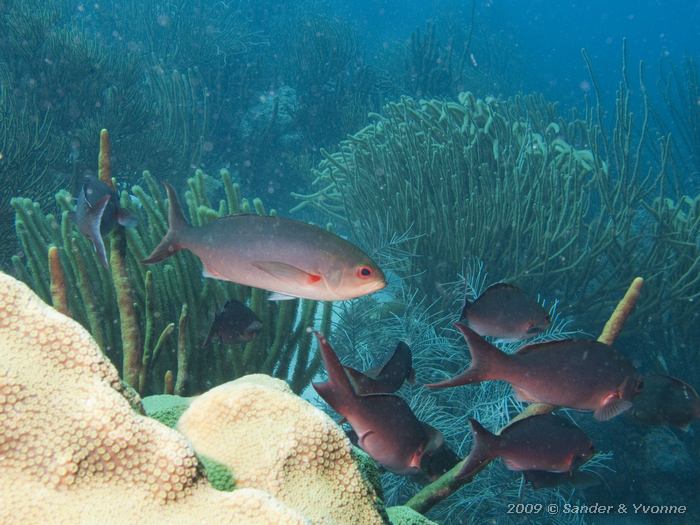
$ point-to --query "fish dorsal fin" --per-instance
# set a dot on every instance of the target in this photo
(511, 464)
(362, 383)
(536, 347)
(684, 385)
(468, 304)
(435, 438)
(501, 285)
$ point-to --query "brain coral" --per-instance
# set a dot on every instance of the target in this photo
(73, 451)
(273, 440)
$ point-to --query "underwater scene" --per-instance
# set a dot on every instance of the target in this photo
(337, 262)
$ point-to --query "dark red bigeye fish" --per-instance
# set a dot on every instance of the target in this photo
(234, 324)
(386, 427)
(573, 373)
(287, 257)
(544, 442)
(97, 213)
(666, 400)
(506, 312)
(386, 379)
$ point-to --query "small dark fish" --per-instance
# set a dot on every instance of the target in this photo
(573, 373)
(506, 312)
(386, 379)
(235, 324)
(287, 257)
(97, 213)
(666, 400)
(579, 479)
(385, 426)
(544, 442)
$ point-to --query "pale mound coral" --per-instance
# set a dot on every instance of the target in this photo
(274, 441)
(73, 451)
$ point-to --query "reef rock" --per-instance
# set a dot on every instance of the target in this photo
(274, 441)
(73, 451)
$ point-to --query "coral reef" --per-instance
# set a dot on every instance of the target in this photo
(68, 434)
(164, 311)
(283, 446)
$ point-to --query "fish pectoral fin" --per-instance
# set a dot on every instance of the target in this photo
(287, 272)
(612, 407)
(512, 465)
(126, 218)
(277, 296)
(361, 438)
(209, 274)
(523, 395)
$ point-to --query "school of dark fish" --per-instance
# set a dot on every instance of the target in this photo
(292, 259)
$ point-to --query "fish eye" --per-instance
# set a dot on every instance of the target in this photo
(364, 272)
(547, 318)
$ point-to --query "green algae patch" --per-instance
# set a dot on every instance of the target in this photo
(166, 409)
(219, 476)
(407, 516)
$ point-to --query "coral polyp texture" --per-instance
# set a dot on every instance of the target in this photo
(73, 451)
(273, 440)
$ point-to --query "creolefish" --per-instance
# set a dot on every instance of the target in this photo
(288, 257)
(97, 213)
(506, 312)
(573, 373)
(386, 427)
(544, 442)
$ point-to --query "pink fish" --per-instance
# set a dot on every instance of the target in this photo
(506, 312)
(288, 257)
(580, 374)
(544, 442)
(386, 427)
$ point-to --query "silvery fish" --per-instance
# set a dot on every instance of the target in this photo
(288, 257)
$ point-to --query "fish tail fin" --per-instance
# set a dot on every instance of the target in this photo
(488, 362)
(94, 222)
(484, 449)
(337, 391)
(177, 226)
